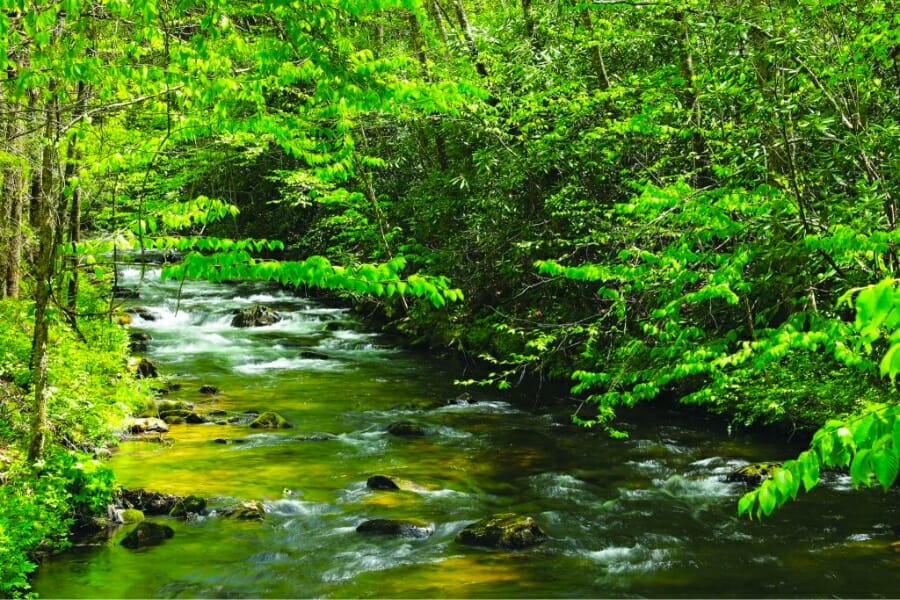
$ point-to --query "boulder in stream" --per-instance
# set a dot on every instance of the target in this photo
(380, 482)
(507, 531)
(270, 420)
(396, 528)
(138, 341)
(754, 473)
(258, 316)
(188, 505)
(147, 425)
(143, 313)
(150, 503)
(246, 511)
(406, 429)
(209, 389)
(146, 369)
(147, 533)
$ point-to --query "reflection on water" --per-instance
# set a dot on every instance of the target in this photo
(649, 516)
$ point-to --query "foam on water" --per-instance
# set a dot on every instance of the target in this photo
(631, 559)
(289, 364)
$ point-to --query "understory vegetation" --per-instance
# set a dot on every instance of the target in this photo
(690, 199)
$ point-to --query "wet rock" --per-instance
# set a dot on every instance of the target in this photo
(174, 420)
(247, 511)
(270, 420)
(243, 418)
(147, 533)
(138, 341)
(217, 413)
(147, 425)
(396, 528)
(380, 482)
(310, 355)
(188, 505)
(334, 326)
(406, 429)
(258, 316)
(508, 531)
(209, 389)
(146, 369)
(143, 313)
(150, 503)
(316, 437)
(754, 473)
(196, 419)
(125, 292)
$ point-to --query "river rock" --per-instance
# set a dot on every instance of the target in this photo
(125, 292)
(209, 389)
(147, 425)
(143, 313)
(754, 473)
(146, 369)
(508, 530)
(396, 528)
(380, 482)
(258, 316)
(150, 503)
(138, 341)
(188, 505)
(242, 418)
(147, 533)
(316, 437)
(310, 355)
(130, 515)
(406, 429)
(270, 420)
(247, 511)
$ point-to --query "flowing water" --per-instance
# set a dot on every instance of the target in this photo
(649, 516)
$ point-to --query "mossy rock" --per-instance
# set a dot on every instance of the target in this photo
(148, 425)
(380, 482)
(146, 369)
(147, 533)
(396, 528)
(150, 503)
(406, 429)
(132, 515)
(754, 473)
(246, 511)
(188, 505)
(507, 531)
(270, 420)
(169, 405)
(174, 420)
(258, 316)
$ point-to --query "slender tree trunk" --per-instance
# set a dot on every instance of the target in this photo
(597, 62)
(418, 46)
(529, 19)
(435, 11)
(72, 164)
(466, 29)
(43, 207)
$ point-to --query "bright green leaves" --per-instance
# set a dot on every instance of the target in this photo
(316, 271)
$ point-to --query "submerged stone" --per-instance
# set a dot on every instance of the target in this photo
(310, 355)
(247, 511)
(396, 528)
(754, 473)
(270, 420)
(508, 531)
(188, 505)
(316, 437)
(380, 482)
(258, 316)
(147, 533)
(406, 429)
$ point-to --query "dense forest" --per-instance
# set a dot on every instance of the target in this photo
(686, 199)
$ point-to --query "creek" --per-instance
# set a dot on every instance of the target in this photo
(647, 516)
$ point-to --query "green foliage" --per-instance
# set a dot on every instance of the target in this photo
(868, 442)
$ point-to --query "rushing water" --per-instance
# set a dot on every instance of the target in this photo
(649, 516)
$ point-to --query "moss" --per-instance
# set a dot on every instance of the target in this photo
(270, 420)
(132, 515)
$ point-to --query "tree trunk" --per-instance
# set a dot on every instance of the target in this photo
(43, 207)
(529, 19)
(466, 29)
(596, 54)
